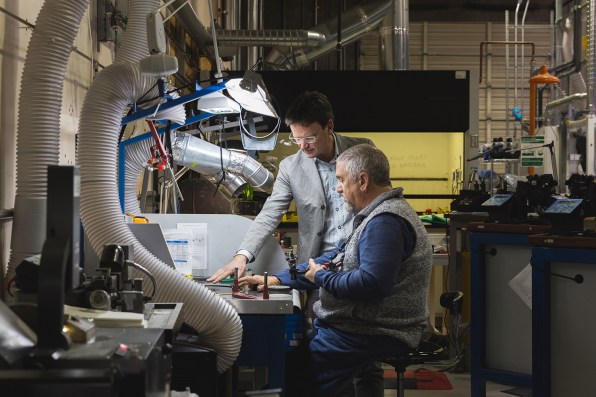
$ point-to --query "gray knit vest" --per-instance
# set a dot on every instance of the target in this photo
(403, 313)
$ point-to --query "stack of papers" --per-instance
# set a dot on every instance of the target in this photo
(108, 318)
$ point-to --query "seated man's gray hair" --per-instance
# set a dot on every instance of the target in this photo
(369, 159)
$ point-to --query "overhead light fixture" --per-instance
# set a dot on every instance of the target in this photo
(217, 103)
(256, 100)
(242, 94)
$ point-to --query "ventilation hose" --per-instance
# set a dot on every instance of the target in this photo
(217, 323)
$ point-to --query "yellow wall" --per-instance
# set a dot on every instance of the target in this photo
(411, 155)
(422, 156)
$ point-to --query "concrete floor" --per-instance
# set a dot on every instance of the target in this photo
(461, 388)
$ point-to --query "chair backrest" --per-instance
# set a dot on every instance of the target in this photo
(452, 301)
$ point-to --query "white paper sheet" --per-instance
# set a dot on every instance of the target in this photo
(198, 251)
(522, 285)
(180, 245)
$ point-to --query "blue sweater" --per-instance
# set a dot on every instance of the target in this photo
(376, 275)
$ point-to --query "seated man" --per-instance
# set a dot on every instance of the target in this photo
(373, 287)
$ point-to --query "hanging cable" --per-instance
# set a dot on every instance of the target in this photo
(148, 273)
(255, 137)
(223, 172)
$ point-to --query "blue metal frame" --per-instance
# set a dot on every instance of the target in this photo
(263, 344)
(174, 126)
(140, 114)
(479, 373)
(542, 257)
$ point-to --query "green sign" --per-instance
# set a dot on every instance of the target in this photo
(531, 152)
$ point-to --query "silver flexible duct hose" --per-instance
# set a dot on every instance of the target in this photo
(114, 88)
(38, 134)
(206, 158)
(136, 160)
(231, 185)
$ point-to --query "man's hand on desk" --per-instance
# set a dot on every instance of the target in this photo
(239, 261)
(258, 281)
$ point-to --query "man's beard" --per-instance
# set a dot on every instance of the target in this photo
(349, 207)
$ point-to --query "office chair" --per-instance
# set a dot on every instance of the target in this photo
(429, 352)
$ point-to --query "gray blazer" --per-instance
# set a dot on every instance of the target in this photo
(298, 179)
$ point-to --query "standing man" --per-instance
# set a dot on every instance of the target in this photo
(373, 287)
(308, 177)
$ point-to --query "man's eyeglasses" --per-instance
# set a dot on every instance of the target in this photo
(306, 139)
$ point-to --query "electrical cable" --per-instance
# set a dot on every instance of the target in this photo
(255, 137)
(148, 273)
(223, 172)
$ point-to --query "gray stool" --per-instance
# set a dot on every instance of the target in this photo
(425, 352)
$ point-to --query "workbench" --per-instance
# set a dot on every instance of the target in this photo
(263, 332)
(501, 322)
(563, 323)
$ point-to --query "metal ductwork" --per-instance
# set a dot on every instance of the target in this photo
(281, 38)
(241, 38)
(188, 19)
(209, 159)
(394, 37)
(356, 22)
(314, 43)
(231, 185)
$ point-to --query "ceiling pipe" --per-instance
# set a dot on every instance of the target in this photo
(356, 22)
(281, 38)
(187, 17)
(241, 38)
(590, 53)
(395, 36)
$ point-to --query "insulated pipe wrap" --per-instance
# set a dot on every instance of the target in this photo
(216, 322)
(38, 132)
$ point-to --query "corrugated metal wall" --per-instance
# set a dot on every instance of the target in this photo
(448, 46)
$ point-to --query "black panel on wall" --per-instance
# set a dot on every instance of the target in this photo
(381, 101)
